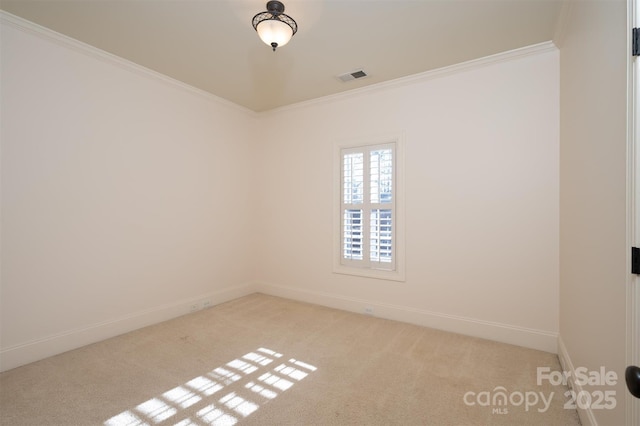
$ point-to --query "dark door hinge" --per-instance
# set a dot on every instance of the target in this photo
(635, 42)
(632, 377)
(635, 260)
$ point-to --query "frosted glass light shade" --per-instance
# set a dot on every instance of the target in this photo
(273, 26)
(274, 31)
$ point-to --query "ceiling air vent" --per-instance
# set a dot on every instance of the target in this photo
(352, 75)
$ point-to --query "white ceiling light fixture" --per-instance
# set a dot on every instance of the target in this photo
(273, 26)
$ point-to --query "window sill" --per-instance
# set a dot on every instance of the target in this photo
(378, 274)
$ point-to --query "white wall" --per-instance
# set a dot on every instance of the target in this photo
(593, 248)
(481, 198)
(125, 197)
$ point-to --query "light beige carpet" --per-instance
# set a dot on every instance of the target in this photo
(262, 360)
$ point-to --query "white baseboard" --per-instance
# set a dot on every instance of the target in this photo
(36, 350)
(520, 336)
(586, 414)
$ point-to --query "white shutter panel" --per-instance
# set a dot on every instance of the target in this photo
(368, 207)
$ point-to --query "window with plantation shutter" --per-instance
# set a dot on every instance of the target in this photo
(368, 211)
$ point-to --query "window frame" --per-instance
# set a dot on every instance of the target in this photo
(366, 268)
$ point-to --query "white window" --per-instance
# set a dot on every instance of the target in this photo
(369, 237)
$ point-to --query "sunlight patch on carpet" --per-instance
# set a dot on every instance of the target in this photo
(253, 384)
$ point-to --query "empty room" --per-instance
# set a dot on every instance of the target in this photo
(318, 212)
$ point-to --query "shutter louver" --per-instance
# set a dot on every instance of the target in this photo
(367, 205)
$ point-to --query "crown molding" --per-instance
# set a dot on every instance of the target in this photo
(536, 49)
(99, 54)
(96, 53)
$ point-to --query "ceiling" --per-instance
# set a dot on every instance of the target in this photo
(211, 45)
